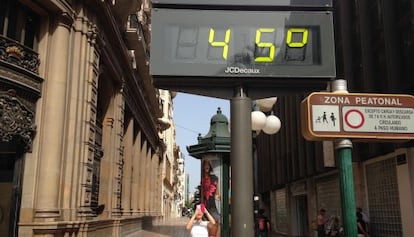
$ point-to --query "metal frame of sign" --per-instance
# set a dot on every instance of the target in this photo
(209, 78)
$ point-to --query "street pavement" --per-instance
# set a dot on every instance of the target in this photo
(172, 227)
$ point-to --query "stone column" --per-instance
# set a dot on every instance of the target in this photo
(135, 173)
(142, 178)
(83, 43)
(126, 180)
(153, 182)
(117, 147)
(159, 185)
(53, 121)
(147, 181)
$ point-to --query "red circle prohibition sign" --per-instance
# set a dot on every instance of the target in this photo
(356, 125)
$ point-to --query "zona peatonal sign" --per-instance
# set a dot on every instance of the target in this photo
(363, 116)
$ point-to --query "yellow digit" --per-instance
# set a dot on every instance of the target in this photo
(269, 45)
(300, 44)
(224, 44)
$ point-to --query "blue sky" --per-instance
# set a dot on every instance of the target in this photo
(192, 114)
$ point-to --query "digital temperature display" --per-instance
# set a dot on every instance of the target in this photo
(229, 43)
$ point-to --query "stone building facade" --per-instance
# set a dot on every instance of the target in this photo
(80, 146)
(172, 166)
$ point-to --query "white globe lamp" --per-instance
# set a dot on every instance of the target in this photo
(272, 125)
(258, 120)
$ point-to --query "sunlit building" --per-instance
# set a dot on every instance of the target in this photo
(80, 146)
(172, 165)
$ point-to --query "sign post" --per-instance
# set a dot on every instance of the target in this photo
(346, 182)
(346, 177)
(340, 115)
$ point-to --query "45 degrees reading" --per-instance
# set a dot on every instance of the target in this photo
(270, 46)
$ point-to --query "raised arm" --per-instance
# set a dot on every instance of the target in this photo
(191, 221)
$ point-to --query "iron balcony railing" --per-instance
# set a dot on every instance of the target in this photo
(19, 55)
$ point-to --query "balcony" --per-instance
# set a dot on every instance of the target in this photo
(135, 40)
(126, 7)
(19, 55)
(19, 67)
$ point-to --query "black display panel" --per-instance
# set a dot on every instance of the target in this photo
(249, 44)
(290, 3)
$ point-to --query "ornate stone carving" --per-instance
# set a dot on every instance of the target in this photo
(16, 121)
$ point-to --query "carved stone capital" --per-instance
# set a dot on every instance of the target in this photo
(65, 19)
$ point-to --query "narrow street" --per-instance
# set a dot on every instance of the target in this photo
(174, 227)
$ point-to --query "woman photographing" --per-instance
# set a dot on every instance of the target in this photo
(196, 226)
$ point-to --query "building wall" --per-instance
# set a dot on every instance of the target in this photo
(405, 172)
(373, 44)
(89, 162)
(389, 193)
(171, 156)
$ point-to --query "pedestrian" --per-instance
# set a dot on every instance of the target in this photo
(365, 218)
(321, 220)
(333, 119)
(196, 226)
(324, 118)
(213, 229)
(362, 231)
(263, 224)
(333, 226)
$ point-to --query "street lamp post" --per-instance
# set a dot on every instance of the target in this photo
(241, 162)
(242, 220)
(269, 125)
